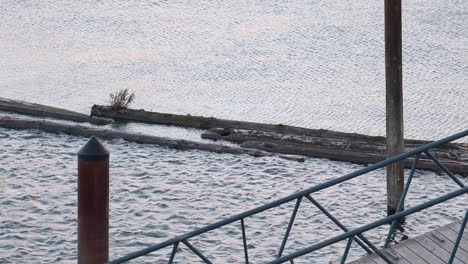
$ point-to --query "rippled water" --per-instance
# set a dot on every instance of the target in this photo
(317, 64)
(157, 193)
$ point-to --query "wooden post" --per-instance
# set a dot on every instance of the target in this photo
(93, 203)
(394, 101)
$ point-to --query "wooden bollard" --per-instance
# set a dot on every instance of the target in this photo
(93, 203)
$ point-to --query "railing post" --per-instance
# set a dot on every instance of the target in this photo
(93, 203)
(394, 102)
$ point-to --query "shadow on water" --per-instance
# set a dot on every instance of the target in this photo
(399, 232)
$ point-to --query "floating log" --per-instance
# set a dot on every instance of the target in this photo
(86, 131)
(454, 155)
(201, 122)
(132, 115)
(49, 111)
(320, 143)
(349, 155)
(451, 151)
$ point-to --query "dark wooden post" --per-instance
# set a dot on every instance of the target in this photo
(394, 101)
(93, 203)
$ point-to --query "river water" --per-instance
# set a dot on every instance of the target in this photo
(317, 64)
(157, 193)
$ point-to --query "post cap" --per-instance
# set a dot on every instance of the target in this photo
(93, 150)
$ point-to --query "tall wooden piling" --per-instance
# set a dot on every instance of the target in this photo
(93, 203)
(394, 101)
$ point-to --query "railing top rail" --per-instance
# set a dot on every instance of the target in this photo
(291, 197)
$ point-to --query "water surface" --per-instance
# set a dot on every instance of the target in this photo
(317, 64)
(157, 193)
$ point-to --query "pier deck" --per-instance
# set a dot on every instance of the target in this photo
(433, 247)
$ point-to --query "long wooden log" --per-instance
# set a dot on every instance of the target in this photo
(132, 115)
(49, 111)
(453, 151)
(454, 155)
(201, 122)
(349, 155)
(87, 131)
(284, 139)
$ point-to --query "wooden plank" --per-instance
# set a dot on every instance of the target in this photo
(367, 260)
(409, 255)
(452, 235)
(393, 255)
(377, 259)
(447, 244)
(400, 259)
(422, 252)
(435, 248)
(456, 227)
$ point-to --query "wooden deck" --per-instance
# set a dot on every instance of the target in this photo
(433, 247)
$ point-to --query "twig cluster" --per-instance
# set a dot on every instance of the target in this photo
(121, 99)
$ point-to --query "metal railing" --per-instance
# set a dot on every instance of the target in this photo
(355, 235)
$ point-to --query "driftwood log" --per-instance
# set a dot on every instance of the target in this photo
(49, 111)
(87, 131)
(201, 122)
(284, 139)
(132, 115)
(356, 150)
(354, 156)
